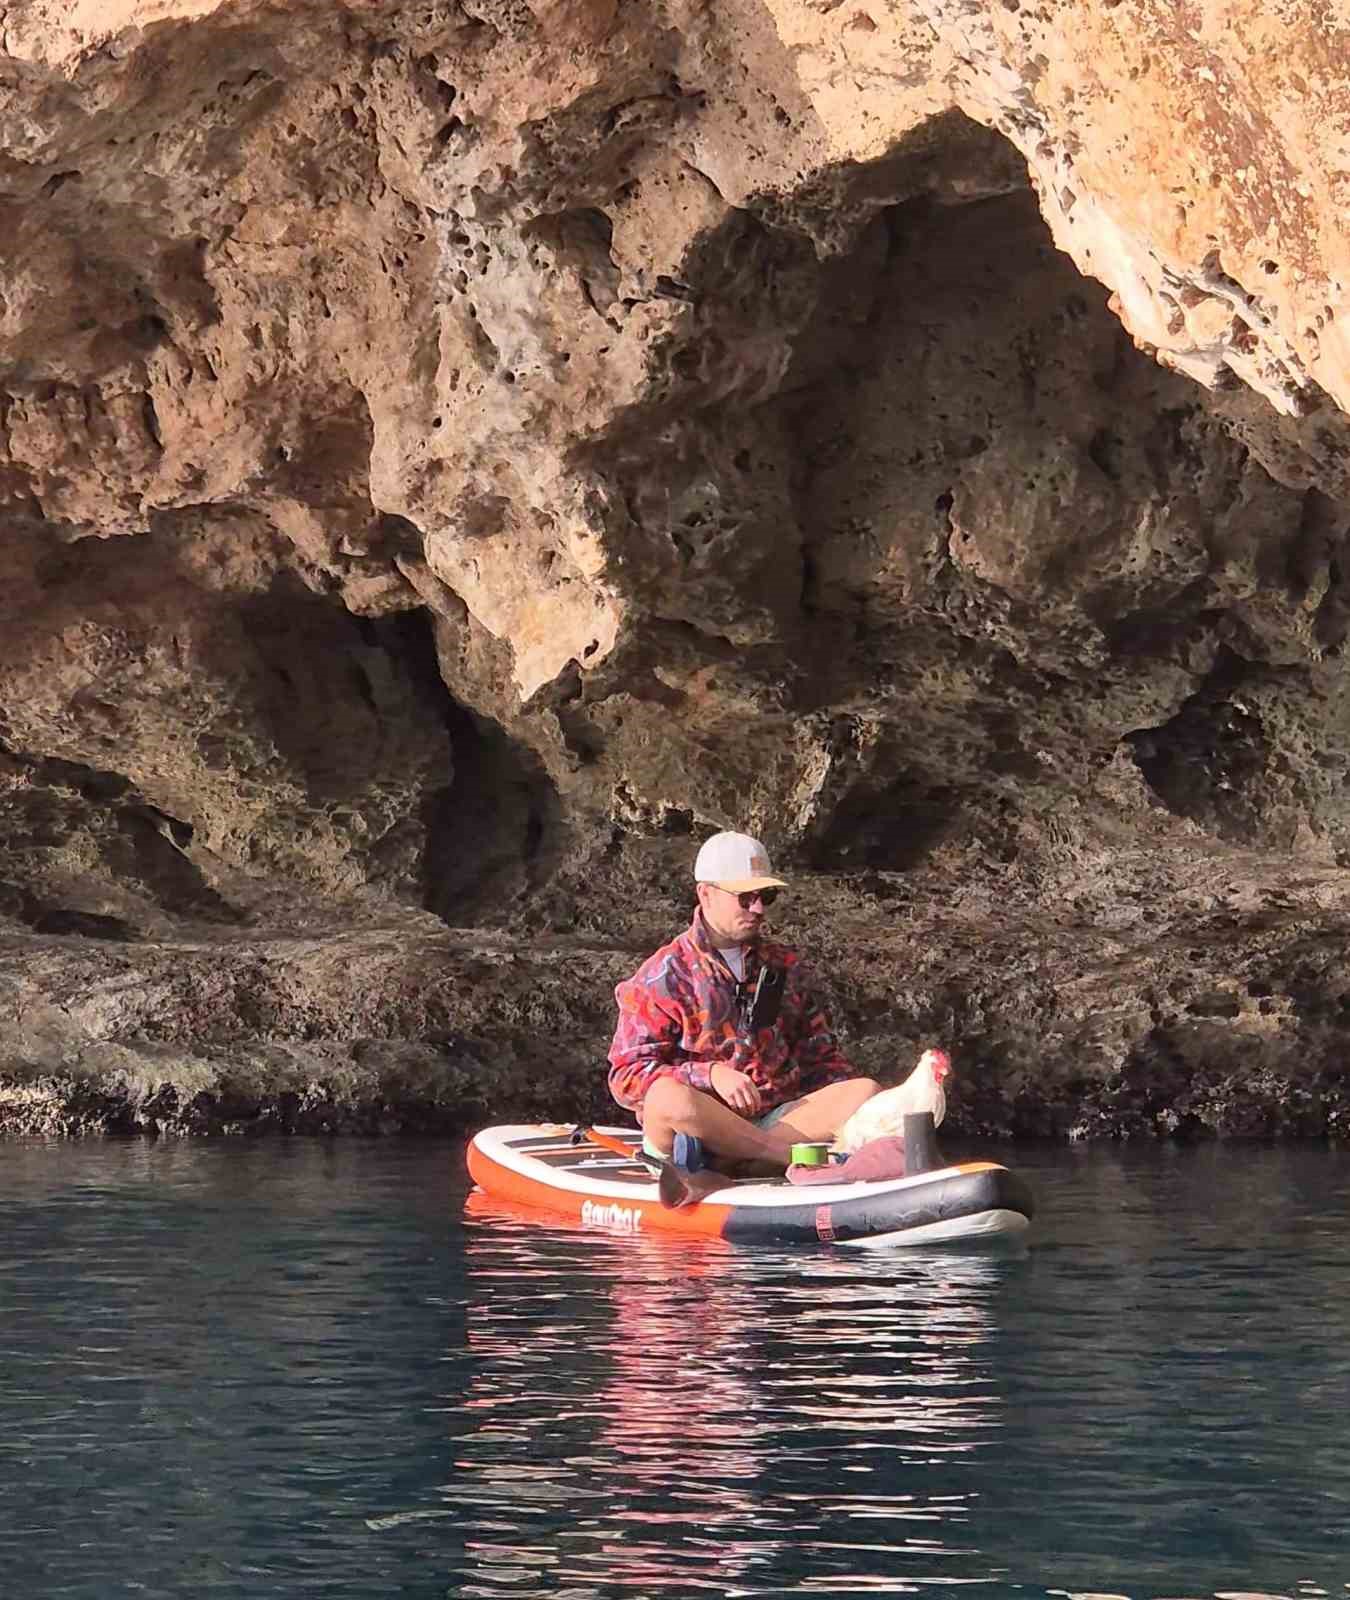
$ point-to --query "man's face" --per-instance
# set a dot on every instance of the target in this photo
(728, 920)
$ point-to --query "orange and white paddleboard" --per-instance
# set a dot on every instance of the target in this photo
(540, 1167)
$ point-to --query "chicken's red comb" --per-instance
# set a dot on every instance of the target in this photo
(939, 1061)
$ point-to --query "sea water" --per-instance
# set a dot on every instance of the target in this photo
(308, 1368)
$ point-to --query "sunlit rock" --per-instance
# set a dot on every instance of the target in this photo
(453, 456)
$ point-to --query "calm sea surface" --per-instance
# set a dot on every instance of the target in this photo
(298, 1368)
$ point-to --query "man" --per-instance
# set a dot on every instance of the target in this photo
(698, 1061)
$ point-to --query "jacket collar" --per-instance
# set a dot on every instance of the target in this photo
(702, 940)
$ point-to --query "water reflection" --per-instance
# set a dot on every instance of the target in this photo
(718, 1420)
(254, 1372)
(1100, 1413)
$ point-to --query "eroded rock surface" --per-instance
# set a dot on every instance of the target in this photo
(454, 455)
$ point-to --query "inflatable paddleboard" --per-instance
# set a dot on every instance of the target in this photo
(540, 1167)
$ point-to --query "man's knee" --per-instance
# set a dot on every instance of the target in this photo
(854, 1092)
(668, 1101)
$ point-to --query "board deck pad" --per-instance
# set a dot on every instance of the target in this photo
(561, 1155)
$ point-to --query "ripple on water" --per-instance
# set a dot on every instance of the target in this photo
(265, 1371)
(706, 1435)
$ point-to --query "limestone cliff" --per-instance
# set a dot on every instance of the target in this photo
(452, 455)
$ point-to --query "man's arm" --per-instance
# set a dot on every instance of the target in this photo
(647, 1045)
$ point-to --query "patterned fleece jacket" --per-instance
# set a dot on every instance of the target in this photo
(679, 1017)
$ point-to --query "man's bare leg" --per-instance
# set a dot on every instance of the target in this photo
(672, 1108)
(816, 1116)
(821, 1114)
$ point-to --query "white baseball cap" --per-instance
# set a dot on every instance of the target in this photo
(736, 862)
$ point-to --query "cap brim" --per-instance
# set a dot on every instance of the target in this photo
(745, 885)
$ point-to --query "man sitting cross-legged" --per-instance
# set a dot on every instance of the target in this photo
(702, 1066)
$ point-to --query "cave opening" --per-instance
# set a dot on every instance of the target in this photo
(1210, 762)
(495, 829)
(1015, 532)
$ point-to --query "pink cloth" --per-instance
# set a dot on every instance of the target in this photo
(877, 1159)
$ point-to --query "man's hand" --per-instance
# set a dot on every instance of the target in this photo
(737, 1090)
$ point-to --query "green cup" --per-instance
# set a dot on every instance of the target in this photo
(810, 1155)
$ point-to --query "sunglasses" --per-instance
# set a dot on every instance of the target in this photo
(766, 897)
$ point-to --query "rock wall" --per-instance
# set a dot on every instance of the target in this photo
(454, 455)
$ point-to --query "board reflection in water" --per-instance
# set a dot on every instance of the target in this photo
(679, 1416)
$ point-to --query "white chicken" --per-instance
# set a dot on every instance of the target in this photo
(884, 1114)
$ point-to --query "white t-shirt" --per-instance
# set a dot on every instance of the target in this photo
(734, 956)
